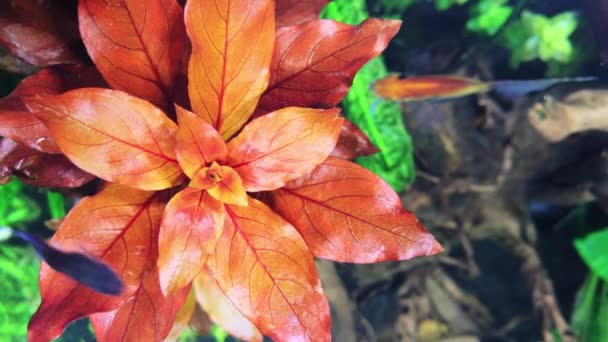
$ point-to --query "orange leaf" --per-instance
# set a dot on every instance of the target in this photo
(113, 135)
(120, 227)
(222, 183)
(348, 214)
(314, 63)
(197, 143)
(16, 121)
(232, 44)
(294, 12)
(435, 87)
(265, 269)
(183, 317)
(353, 143)
(147, 316)
(136, 45)
(283, 145)
(41, 32)
(190, 228)
(222, 311)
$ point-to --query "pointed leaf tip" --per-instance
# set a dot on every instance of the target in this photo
(283, 145)
(348, 214)
(113, 135)
(231, 50)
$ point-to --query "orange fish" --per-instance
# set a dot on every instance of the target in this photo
(440, 87)
(420, 88)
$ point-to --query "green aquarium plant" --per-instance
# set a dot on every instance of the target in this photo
(535, 36)
(19, 266)
(591, 308)
(380, 120)
(488, 16)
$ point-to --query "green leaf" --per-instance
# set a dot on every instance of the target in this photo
(593, 251)
(591, 311)
(380, 120)
(56, 204)
(488, 16)
(443, 5)
(19, 294)
(16, 207)
(535, 36)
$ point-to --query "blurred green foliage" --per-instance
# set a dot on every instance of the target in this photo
(535, 36)
(19, 265)
(593, 250)
(591, 311)
(380, 120)
(591, 308)
(19, 295)
(528, 36)
(442, 5)
(488, 16)
(16, 207)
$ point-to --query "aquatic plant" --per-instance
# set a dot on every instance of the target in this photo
(238, 196)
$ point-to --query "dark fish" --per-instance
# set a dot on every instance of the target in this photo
(85, 270)
(519, 88)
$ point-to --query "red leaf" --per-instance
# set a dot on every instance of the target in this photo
(190, 228)
(222, 311)
(197, 143)
(41, 32)
(283, 145)
(136, 45)
(232, 44)
(294, 12)
(348, 214)
(419, 88)
(38, 169)
(120, 227)
(264, 268)
(314, 63)
(353, 143)
(16, 121)
(113, 135)
(12, 156)
(147, 316)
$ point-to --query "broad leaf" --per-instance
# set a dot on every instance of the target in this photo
(136, 45)
(147, 316)
(190, 228)
(222, 311)
(283, 145)
(16, 121)
(37, 168)
(197, 143)
(294, 12)
(592, 249)
(265, 269)
(429, 87)
(232, 44)
(346, 213)
(113, 135)
(353, 143)
(314, 63)
(119, 226)
(41, 32)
